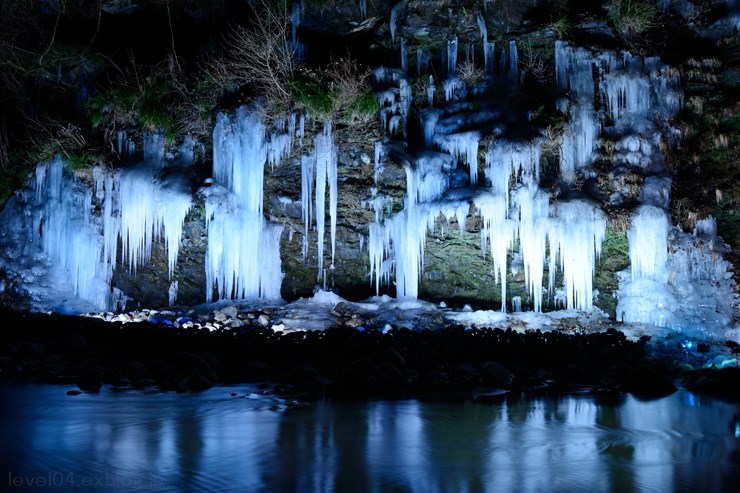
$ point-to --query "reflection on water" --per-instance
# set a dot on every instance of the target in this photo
(215, 442)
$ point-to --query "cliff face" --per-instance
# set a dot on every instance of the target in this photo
(666, 139)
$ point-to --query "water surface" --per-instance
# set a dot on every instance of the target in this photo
(212, 441)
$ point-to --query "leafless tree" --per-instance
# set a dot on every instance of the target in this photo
(260, 54)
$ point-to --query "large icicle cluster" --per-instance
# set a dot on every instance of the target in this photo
(691, 288)
(675, 280)
(69, 237)
(630, 90)
(243, 256)
(516, 214)
(68, 254)
(150, 209)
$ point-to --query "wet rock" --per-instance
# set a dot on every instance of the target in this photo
(90, 380)
(391, 371)
(495, 374)
(392, 356)
(721, 383)
(225, 313)
(263, 320)
(647, 382)
(33, 349)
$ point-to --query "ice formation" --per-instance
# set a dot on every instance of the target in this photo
(694, 291)
(463, 146)
(489, 55)
(517, 217)
(404, 56)
(452, 57)
(68, 255)
(243, 256)
(149, 209)
(571, 232)
(513, 62)
(648, 242)
(630, 91)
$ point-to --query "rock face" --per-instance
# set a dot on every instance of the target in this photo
(598, 117)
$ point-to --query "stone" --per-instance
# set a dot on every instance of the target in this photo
(263, 320)
(229, 311)
(495, 374)
(647, 382)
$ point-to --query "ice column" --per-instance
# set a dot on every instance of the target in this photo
(397, 245)
(648, 242)
(452, 57)
(575, 240)
(498, 231)
(513, 62)
(574, 74)
(243, 256)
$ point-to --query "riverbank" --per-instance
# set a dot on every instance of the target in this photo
(85, 353)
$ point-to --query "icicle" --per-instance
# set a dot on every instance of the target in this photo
(404, 56)
(111, 225)
(153, 147)
(392, 23)
(574, 73)
(326, 171)
(422, 61)
(489, 55)
(430, 91)
(452, 87)
(579, 141)
(576, 242)
(648, 243)
(505, 160)
(120, 137)
(405, 96)
(363, 8)
(40, 180)
(308, 165)
(625, 94)
(463, 146)
(147, 209)
(516, 304)
(513, 62)
(243, 256)
(301, 129)
(377, 166)
(70, 240)
(534, 208)
(429, 119)
(172, 293)
(499, 232)
(452, 57)
(482, 28)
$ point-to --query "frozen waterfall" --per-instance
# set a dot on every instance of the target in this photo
(243, 256)
(67, 257)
